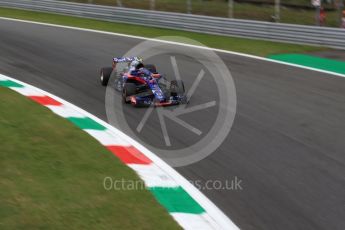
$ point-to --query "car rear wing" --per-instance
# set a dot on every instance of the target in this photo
(126, 59)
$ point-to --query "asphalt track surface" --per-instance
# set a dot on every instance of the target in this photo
(286, 144)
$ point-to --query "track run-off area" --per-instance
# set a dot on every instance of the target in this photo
(286, 144)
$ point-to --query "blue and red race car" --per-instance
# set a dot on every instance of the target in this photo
(142, 85)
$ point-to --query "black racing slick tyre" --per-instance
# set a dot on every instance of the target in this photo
(151, 68)
(129, 89)
(177, 88)
(105, 75)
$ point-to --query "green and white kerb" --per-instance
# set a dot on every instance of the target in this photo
(187, 205)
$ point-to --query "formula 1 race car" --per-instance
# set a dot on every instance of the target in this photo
(142, 85)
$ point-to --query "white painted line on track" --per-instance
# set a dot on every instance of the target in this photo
(176, 43)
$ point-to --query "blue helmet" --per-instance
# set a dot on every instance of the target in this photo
(136, 64)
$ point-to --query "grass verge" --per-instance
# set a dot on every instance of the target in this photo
(51, 176)
(248, 46)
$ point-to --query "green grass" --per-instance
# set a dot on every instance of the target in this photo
(51, 176)
(219, 8)
(249, 46)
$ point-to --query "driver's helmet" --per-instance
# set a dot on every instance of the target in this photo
(136, 64)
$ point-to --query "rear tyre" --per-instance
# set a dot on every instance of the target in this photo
(129, 89)
(151, 68)
(105, 75)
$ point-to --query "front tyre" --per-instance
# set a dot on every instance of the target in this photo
(105, 74)
(177, 88)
